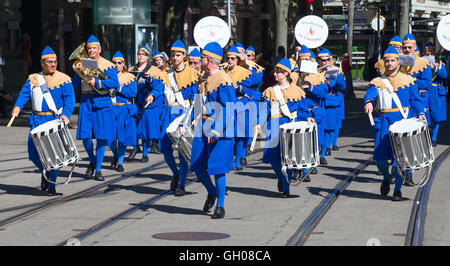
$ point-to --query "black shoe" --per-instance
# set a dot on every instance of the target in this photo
(120, 168)
(397, 196)
(285, 194)
(174, 183)
(132, 154)
(313, 171)
(44, 183)
(157, 149)
(408, 180)
(114, 162)
(434, 143)
(296, 175)
(99, 177)
(328, 152)
(323, 161)
(144, 159)
(385, 187)
(238, 168)
(305, 177)
(219, 213)
(280, 186)
(90, 170)
(52, 192)
(243, 161)
(335, 148)
(209, 203)
(180, 191)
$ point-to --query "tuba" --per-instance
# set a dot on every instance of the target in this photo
(86, 73)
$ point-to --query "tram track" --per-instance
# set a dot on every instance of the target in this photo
(45, 205)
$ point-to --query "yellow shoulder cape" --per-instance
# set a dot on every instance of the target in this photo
(239, 74)
(213, 82)
(292, 93)
(53, 81)
(398, 81)
(184, 79)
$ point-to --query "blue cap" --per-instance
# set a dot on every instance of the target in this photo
(145, 49)
(240, 47)
(157, 53)
(93, 41)
(313, 57)
(118, 56)
(213, 50)
(391, 52)
(409, 38)
(284, 64)
(233, 51)
(47, 53)
(324, 52)
(304, 51)
(178, 45)
(297, 45)
(195, 54)
(429, 44)
(396, 40)
(251, 50)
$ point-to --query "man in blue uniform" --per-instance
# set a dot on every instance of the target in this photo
(212, 147)
(52, 97)
(405, 87)
(96, 118)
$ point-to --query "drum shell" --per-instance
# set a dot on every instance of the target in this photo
(412, 150)
(182, 143)
(55, 145)
(299, 146)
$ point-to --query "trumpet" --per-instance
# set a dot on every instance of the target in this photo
(85, 73)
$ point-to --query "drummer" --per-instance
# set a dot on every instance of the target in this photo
(212, 146)
(125, 112)
(96, 109)
(296, 110)
(186, 79)
(405, 88)
(63, 98)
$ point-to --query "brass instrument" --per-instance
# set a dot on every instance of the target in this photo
(405, 69)
(85, 73)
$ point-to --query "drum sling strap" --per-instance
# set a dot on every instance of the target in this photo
(283, 106)
(426, 176)
(394, 97)
(176, 90)
(51, 105)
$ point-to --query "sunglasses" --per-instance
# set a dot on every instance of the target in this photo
(118, 63)
(232, 58)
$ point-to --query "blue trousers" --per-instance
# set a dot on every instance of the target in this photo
(184, 168)
(328, 137)
(99, 151)
(383, 167)
(434, 130)
(218, 189)
(119, 151)
(241, 150)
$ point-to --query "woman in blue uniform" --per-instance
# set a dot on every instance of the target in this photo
(125, 112)
(293, 97)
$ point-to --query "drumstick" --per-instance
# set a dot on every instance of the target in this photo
(146, 105)
(11, 121)
(371, 119)
(255, 137)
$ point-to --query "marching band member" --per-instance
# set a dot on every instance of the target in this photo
(405, 88)
(180, 86)
(141, 68)
(159, 61)
(294, 57)
(194, 60)
(396, 41)
(437, 100)
(282, 111)
(96, 116)
(244, 92)
(124, 111)
(52, 97)
(149, 126)
(421, 71)
(212, 147)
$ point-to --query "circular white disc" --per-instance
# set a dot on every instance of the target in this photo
(311, 31)
(211, 29)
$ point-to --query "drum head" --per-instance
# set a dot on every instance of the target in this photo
(303, 125)
(173, 127)
(408, 126)
(46, 127)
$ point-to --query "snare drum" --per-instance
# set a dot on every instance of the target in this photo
(411, 144)
(54, 144)
(299, 145)
(181, 143)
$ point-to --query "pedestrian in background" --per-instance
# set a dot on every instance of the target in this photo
(347, 69)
